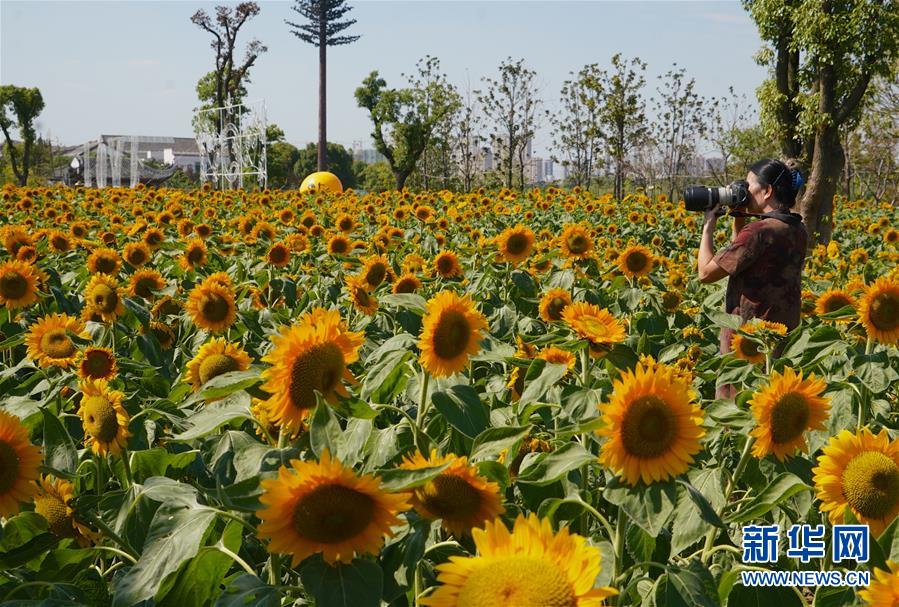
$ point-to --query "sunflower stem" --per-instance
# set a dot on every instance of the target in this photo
(422, 401)
(869, 346)
(126, 465)
(620, 528)
(108, 532)
(274, 569)
(283, 437)
(731, 485)
(227, 552)
(585, 368)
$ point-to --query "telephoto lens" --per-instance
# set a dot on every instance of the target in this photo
(700, 198)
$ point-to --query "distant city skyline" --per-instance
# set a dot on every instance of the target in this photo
(107, 67)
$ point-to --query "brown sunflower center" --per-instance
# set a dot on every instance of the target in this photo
(277, 255)
(789, 417)
(405, 286)
(451, 497)
(145, 287)
(452, 334)
(517, 244)
(446, 265)
(195, 255)
(554, 310)
(215, 365)
(60, 243)
(137, 257)
(517, 581)
(636, 261)
(54, 510)
(835, 302)
(884, 311)
(13, 285)
(106, 264)
(9, 466)
(332, 513)
(578, 243)
(649, 427)
(215, 307)
(871, 484)
(749, 348)
(339, 245)
(97, 363)
(361, 296)
(376, 274)
(104, 298)
(100, 419)
(56, 344)
(319, 368)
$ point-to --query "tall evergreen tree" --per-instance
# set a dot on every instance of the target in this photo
(322, 31)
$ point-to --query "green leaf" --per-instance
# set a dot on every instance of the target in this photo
(697, 508)
(724, 320)
(214, 415)
(25, 537)
(398, 479)
(639, 544)
(692, 586)
(324, 430)
(650, 507)
(158, 462)
(549, 374)
(248, 590)
(889, 541)
(490, 442)
(546, 468)
(407, 301)
(875, 372)
(354, 408)
(826, 596)
(228, 383)
(59, 449)
(358, 584)
(782, 488)
(763, 596)
(175, 535)
(463, 409)
(387, 370)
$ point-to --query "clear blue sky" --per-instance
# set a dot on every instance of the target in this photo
(131, 67)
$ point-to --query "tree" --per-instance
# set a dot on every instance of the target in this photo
(322, 31)
(225, 85)
(578, 135)
(282, 157)
(405, 119)
(25, 105)
(726, 133)
(377, 177)
(468, 142)
(682, 117)
(341, 163)
(822, 57)
(511, 104)
(622, 115)
(744, 146)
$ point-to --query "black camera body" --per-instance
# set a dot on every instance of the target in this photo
(701, 198)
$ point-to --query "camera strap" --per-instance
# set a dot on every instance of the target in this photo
(792, 219)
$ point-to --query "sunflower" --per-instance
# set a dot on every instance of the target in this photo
(312, 355)
(784, 409)
(760, 334)
(884, 590)
(553, 303)
(211, 306)
(153, 238)
(576, 242)
(278, 255)
(594, 324)
(214, 358)
(97, 363)
(879, 310)
(104, 261)
(515, 244)
(859, 472)
(558, 356)
(194, 255)
(635, 261)
(137, 254)
(652, 423)
(49, 344)
(143, 283)
(18, 284)
(19, 461)
(362, 300)
(59, 241)
(451, 333)
(833, 300)
(375, 271)
(407, 283)
(529, 567)
(325, 507)
(459, 496)
(446, 265)
(339, 245)
(52, 501)
(671, 300)
(103, 297)
(104, 420)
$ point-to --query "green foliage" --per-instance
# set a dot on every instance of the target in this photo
(282, 157)
(340, 162)
(19, 107)
(376, 177)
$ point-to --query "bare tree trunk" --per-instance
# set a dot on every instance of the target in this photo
(322, 93)
(826, 169)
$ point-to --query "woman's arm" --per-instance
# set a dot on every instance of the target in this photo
(708, 270)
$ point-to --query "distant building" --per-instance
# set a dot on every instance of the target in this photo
(366, 155)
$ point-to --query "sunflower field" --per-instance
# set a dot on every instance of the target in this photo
(496, 398)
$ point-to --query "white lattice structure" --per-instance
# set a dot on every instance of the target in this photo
(232, 142)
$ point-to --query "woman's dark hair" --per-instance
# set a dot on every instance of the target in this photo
(785, 181)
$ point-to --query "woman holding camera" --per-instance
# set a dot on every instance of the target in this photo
(764, 261)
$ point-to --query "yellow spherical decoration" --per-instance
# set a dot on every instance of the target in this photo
(322, 181)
